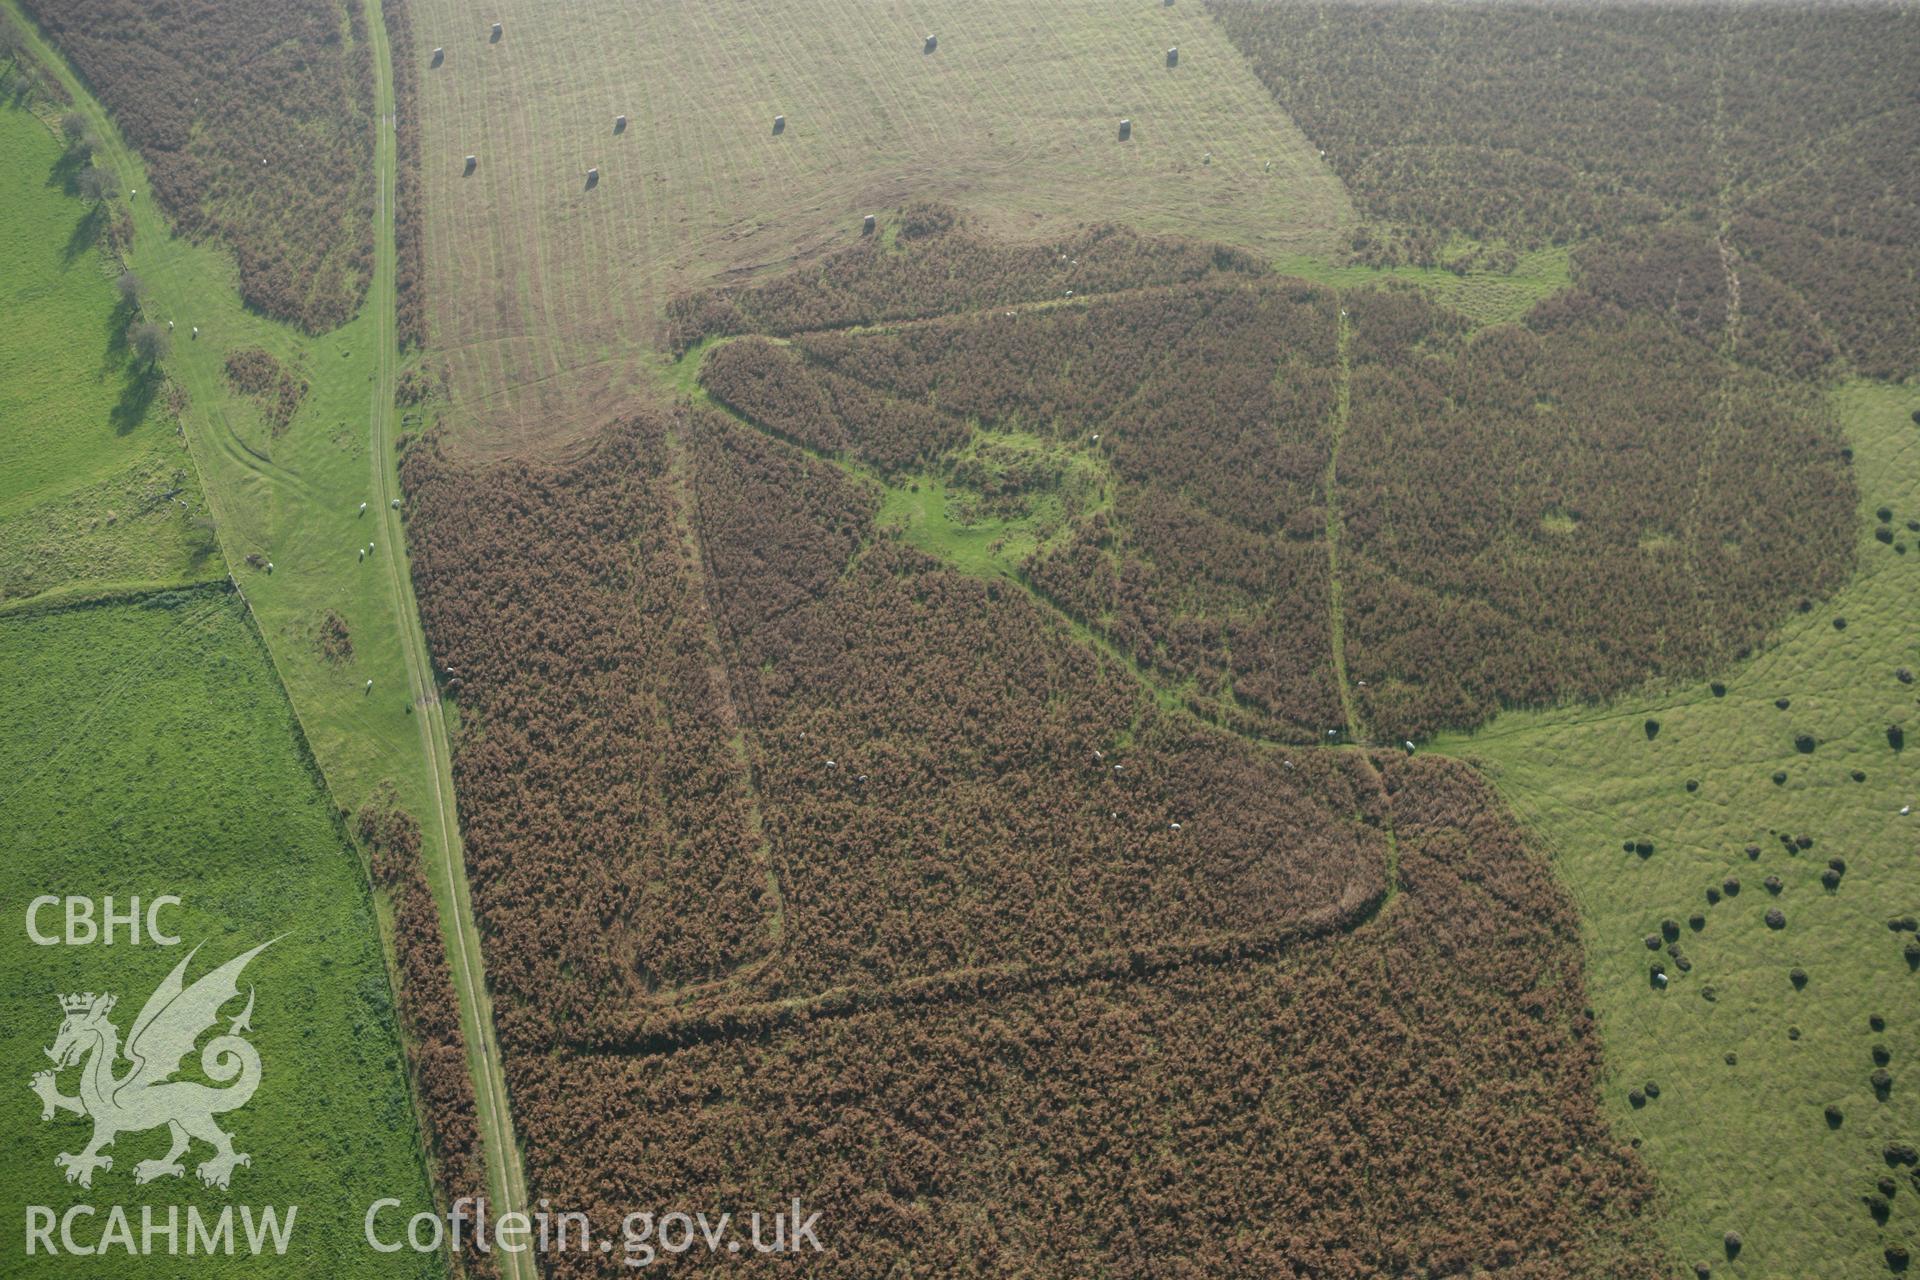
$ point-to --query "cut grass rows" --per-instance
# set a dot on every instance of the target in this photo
(543, 291)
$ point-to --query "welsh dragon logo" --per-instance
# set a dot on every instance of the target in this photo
(145, 1096)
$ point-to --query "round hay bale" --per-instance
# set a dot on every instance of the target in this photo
(1776, 918)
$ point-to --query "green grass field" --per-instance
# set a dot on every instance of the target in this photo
(542, 290)
(147, 748)
(1746, 1146)
(294, 501)
(96, 485)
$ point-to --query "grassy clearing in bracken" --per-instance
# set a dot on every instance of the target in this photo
(96, 485)
(543, 289)
(147, 748)
(1746, 1060)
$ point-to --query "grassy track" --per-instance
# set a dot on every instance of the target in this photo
(1336, 615)
(294, 501)
(543, 291)
(1745, 1146)
(505, 1176)
(146, 748)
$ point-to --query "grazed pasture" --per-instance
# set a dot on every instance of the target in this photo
(1748, 1060)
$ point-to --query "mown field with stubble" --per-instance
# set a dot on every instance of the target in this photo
(543, 291)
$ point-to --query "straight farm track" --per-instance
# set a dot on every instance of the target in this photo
(544, 290)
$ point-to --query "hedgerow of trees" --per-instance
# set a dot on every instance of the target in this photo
(255, 120)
